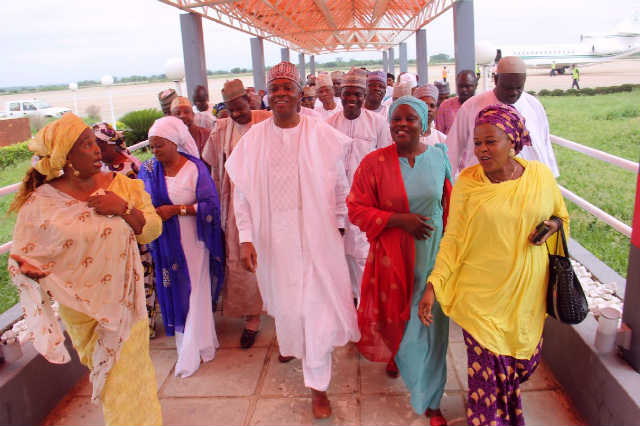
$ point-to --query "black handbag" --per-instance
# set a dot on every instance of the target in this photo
(565, 298)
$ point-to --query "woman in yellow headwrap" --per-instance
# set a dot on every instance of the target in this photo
(75, 240)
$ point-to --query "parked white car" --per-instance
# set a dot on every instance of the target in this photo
(28, 107)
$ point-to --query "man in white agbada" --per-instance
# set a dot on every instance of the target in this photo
(368, 131)
(510, 78)
(240, 294)
(324, 91)
(290, 192)
(376, 91)
(429, 95)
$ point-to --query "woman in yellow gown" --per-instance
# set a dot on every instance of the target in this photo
(490, 275)
(75, 241)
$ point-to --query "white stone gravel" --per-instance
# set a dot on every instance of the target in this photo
(599, 295)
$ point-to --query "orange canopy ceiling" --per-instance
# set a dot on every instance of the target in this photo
(321, 26)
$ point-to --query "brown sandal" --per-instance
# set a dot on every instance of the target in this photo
(320, 405)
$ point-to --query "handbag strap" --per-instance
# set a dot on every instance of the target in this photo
(564, 239)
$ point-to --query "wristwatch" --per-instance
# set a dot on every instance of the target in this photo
(183, 210)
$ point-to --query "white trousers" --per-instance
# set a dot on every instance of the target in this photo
(317, 378)
(356, 269)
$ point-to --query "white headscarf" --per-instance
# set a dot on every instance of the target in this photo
(408, 78)
(174, 130)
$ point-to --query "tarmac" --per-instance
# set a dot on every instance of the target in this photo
(250, 387)
(130, 97)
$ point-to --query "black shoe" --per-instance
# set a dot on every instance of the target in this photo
(248, 338)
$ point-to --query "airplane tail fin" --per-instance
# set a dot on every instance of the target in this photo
(630, 25)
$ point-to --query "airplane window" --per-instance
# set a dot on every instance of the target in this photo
(27, 106)
(14, 106)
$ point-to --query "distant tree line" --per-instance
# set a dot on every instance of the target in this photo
(337, 63)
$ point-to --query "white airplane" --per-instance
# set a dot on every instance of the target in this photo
(592, 49)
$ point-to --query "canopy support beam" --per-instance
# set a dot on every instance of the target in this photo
(257, 62)
(302, 67)
(392, 62)
(385, 62)
(422, 57)
(464, 35)
(195, 67)
(404, 63)
(284, 54)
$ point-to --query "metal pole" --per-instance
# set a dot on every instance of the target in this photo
(302, 68)
(257, 62)
(422, 57)
(485, 77)
(392, 61)
(113, 117)
(284, 54)
(404, 63)
(75, 103)
(195, 67)
(312, 65)
(464, 36)
(385, 62)
(631, 313)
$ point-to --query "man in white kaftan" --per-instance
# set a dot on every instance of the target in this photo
(290, 192)
(510, 79)
(368, 132)
(324, 90)
(428, 94)
(376, 91)
(240, 293)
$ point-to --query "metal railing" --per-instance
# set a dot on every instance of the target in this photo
(610, 220)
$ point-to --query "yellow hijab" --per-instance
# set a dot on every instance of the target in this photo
(488, 277)
(53, 143)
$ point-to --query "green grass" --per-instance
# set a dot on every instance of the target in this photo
(610, 123)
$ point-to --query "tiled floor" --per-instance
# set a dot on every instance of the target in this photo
(250, 387)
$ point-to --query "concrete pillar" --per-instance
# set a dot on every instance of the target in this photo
(284, 54)
(392, 62)
(312, 65)
(195, 67)
(385, 62)
(257, 62)
(302, 67)
(422, 57)
(631, 313)
(463, 35)
(404, 63)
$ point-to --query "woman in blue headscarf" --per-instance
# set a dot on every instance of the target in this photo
(188, 256)
(399, 198)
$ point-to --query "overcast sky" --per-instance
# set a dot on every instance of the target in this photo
(44, 41)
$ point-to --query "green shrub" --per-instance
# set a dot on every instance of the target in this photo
(138, 123)
(531, 92)
(574, 92)
(557, 92)
(91, 120)
(588, 91)
(12, 154)
(544, 92)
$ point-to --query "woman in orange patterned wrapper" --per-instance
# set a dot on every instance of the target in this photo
(75, 241)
